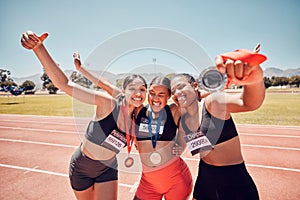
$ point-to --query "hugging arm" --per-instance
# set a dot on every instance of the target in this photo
(180, 144)
(99, 81)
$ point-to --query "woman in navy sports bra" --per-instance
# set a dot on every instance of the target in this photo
(93, 167)
(164, 174)
(210, 130)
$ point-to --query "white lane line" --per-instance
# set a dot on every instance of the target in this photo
(35, 167)
(18, 116)
(271, 147)
(27, 169)
(39, 130)
(41, 143)
(43, 122)
(272, 167)
(268, 135)
(254, 165)
(260, 126)
(33, 170)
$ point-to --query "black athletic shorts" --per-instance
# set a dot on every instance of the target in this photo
(84, 171)
(231, 182)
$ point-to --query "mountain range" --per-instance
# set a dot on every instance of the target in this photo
(268, 72)
(272, 71)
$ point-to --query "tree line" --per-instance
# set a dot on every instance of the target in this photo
(28, 86)
(293, 81)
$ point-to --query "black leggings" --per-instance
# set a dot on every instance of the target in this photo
(231, 182)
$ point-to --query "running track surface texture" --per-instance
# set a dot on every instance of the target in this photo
(35, 153)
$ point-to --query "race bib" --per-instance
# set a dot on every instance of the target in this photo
(115, 141)
(144, 131)
(197, 142)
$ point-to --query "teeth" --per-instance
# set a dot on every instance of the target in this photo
(137, 99)
(156, 104)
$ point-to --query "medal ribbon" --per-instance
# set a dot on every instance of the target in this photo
(129, 137)
(153, 139)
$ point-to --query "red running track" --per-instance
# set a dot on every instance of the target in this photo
(35, 153)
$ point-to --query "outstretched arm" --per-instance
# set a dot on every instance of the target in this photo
(99, 81)
(33, 42)
(241, 74)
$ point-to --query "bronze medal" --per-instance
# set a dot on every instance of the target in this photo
(128, 162)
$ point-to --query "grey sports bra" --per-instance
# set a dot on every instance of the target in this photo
(105, 132)
(215, 129)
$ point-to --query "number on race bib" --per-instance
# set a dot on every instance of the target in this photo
(197, 142)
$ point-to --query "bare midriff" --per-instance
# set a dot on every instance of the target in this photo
(163, 148)
(96, 152)
(225, 153)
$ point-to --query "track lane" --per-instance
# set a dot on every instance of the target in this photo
(273, 181)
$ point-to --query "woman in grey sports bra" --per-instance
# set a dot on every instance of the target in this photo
(93, 170)
(222, 173)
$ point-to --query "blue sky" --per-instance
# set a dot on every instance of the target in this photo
(218, 26)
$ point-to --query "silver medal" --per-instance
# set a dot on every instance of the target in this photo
(212, 80)
(155, 158)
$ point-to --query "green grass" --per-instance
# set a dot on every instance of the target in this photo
(277, 109)
(50, 105)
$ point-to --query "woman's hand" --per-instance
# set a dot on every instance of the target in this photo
(30, 40)
(177, 150)
(77, 61)
(240, 72)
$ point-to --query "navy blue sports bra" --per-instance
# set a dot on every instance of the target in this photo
(215, 129)
(98, 131)
(169, 126)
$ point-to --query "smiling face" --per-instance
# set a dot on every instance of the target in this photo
(135, 92)
(158, 97)
(184, 94)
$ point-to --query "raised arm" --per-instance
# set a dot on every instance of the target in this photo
(33, 42)
(241, 74)
(99, 81)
